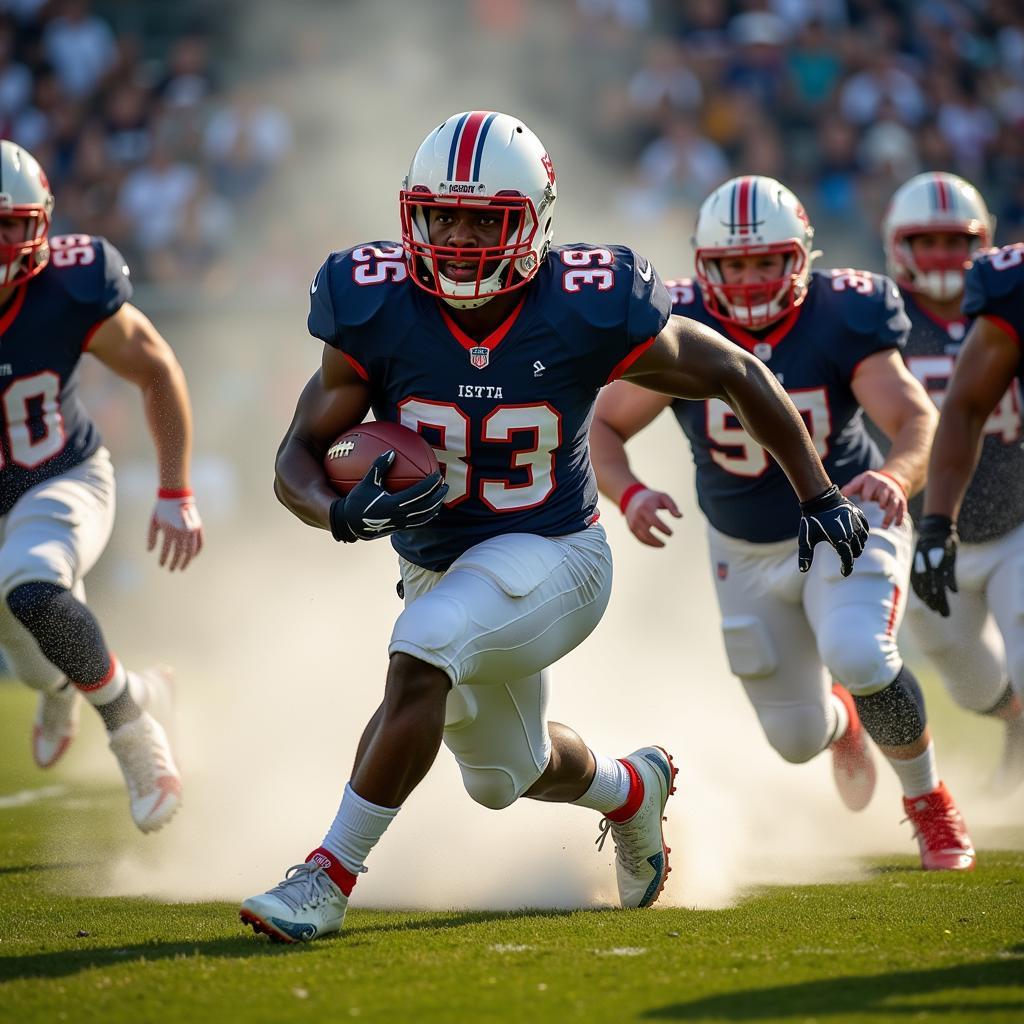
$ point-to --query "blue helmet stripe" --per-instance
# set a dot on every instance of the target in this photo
(455, 145)
(480, 145)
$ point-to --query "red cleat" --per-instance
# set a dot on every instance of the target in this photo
(940, 831)
(852, 764)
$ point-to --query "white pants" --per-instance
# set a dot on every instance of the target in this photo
(55, 533)
(505, 610)
(785, 631)
(982, 641)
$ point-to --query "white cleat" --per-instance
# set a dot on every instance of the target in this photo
(153, 690)
(55, 725)
(306, 905)
(154, 786)
(641, 856)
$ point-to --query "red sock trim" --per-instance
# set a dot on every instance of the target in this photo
(635, 798)
(336, 872)
(174, 492)
(93, 687)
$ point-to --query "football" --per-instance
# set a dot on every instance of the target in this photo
(348, 459)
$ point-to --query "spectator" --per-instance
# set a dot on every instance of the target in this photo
(80, 46)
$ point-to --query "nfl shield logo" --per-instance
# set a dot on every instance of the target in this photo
(722, 570)
(479, 356)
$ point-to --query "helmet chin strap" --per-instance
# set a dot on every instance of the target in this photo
(940, 285)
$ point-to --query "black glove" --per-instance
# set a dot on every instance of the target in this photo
(834, 518)
(369, 511)
(934, 568)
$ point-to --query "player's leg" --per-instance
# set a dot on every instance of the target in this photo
(1006, 601)
(770, 646)
(52, 537)
(855, 621)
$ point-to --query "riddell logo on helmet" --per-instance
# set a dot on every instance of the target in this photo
(464, 188)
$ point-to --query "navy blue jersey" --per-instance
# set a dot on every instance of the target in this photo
(994, 502)
(814, 352)
(508, 415)
(43, 332)
(994, 288)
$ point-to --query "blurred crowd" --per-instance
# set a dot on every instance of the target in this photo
(843, 100)
(142, 138)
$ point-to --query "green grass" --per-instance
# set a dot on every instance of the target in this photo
(900, 946)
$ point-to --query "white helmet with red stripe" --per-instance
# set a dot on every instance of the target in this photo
(934, 202)
(24, 194)
(479, 158)
(752, 216)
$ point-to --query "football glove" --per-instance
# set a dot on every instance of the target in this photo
(934, 568)
(175, 514)
(831, 517)
(369, 511)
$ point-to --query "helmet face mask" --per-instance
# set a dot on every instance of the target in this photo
(24, 196)
(478, 161)
(747, 217)
(934, 204)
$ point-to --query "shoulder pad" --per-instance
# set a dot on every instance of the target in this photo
(995, 274)
(868, 303)
(91, 271)
(351, 287)
(611, 286)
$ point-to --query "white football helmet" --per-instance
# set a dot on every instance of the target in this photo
(752, 216)
(934, 202)
(479, 158)
(24, 194)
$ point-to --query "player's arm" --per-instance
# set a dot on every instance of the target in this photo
(894, 399)
(689, 360)
(128, 344)
(984, 370)
(622, 411)
(334, 399)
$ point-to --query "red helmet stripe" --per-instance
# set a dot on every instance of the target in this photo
(744, 206)
(941, 195)
(467, 144)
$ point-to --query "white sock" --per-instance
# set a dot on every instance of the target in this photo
(918, 775)
(610, 788)
(842, 717)
(357, 827)
(107, 689)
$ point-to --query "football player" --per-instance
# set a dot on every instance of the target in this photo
(62, 297)
(832, 339)
(479, 333)
(933, 227)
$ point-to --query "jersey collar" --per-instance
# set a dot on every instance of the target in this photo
(749, 341)
(941, 321)
(493, 340)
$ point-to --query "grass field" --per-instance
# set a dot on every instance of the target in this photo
(900, 946)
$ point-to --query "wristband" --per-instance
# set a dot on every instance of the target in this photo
(627, 495)
(821, 502)
(896, 480)
(164, 493)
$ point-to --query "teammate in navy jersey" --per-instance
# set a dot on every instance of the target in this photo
(934, 225)
(493, 344)
(59, 298)
(833, 340)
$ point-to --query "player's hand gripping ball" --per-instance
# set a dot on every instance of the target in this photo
(389, 480)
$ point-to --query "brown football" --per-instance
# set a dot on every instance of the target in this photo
(349, 458)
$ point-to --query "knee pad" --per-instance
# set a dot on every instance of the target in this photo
(30, 603)
(797, 732)
(491, 787)
(856, 655)
(748, 647)
(895, 716)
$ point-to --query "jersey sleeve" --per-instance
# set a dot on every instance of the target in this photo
(340, 306)
(628, 313)
(994, 288)
(94, 273)
(872, 316)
